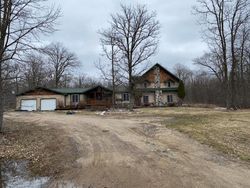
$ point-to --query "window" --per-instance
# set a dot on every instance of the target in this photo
(145, 99)
(170, 98)
(125, 96)
(169, 84)
(145, 85)
(99, 96)
(75, 98)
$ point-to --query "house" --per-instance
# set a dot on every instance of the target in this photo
(156, 87)
(46, 99)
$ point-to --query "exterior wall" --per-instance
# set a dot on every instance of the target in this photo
(119, 100)
(151, 98)
(68, 99)
(59, 100)
(162, 85)
(156, 79)
(173, 85)
(150, 76)
(118, 96)
(164, 98)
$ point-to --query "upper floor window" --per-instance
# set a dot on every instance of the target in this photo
(169, 84)
(145, 84)
(125, 96)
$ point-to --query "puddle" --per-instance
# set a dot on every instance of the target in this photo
(15, 174)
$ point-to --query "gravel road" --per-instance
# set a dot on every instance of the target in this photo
(134, 152)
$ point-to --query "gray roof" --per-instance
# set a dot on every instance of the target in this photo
(70, 90)
(65, 91)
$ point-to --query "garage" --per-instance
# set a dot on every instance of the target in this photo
(48, 104)
(28, 105)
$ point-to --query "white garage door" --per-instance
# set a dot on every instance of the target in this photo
(48, 104)
(29, 105)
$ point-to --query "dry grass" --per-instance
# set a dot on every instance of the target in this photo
(48, 150)
(226, 131)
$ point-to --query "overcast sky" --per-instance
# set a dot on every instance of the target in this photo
(180, 40)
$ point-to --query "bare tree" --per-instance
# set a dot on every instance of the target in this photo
(84, 81)
(61, 61)
(35, 70)
(21, 22)
(110, 70)
(212, 61)
(183, 72)
(136, 35)
(224, 20)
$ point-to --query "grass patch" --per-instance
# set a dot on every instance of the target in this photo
(228, 132)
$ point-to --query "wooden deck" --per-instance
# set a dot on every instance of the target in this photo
(93, 102)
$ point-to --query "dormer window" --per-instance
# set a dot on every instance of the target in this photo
(145, 84)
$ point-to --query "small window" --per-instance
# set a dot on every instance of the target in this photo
(145, 85)
(169, 84)
(125, 96)
(75, 98)
(145, 100)
(170, 98)
(99, 96)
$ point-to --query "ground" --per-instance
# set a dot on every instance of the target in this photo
(173, 147)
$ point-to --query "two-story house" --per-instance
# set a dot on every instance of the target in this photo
(156, 87)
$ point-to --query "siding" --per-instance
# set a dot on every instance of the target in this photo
(82, 99)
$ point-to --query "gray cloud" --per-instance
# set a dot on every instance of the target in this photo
(180, 40)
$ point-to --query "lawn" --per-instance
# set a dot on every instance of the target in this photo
(226, 131)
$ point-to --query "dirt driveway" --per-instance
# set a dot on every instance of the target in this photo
(134, 152)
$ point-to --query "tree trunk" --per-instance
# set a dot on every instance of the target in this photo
(233, 90)
(131, 90)
(233, 72)
(227, 91)
(56, 80)
(113, 76)
(1, 101)
(132, 99)
(1, 176)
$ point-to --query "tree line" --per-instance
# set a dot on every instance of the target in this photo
(203, 87)
(128, 43)
(226, 30)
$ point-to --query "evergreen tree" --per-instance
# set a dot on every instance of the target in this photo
(181, 92)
